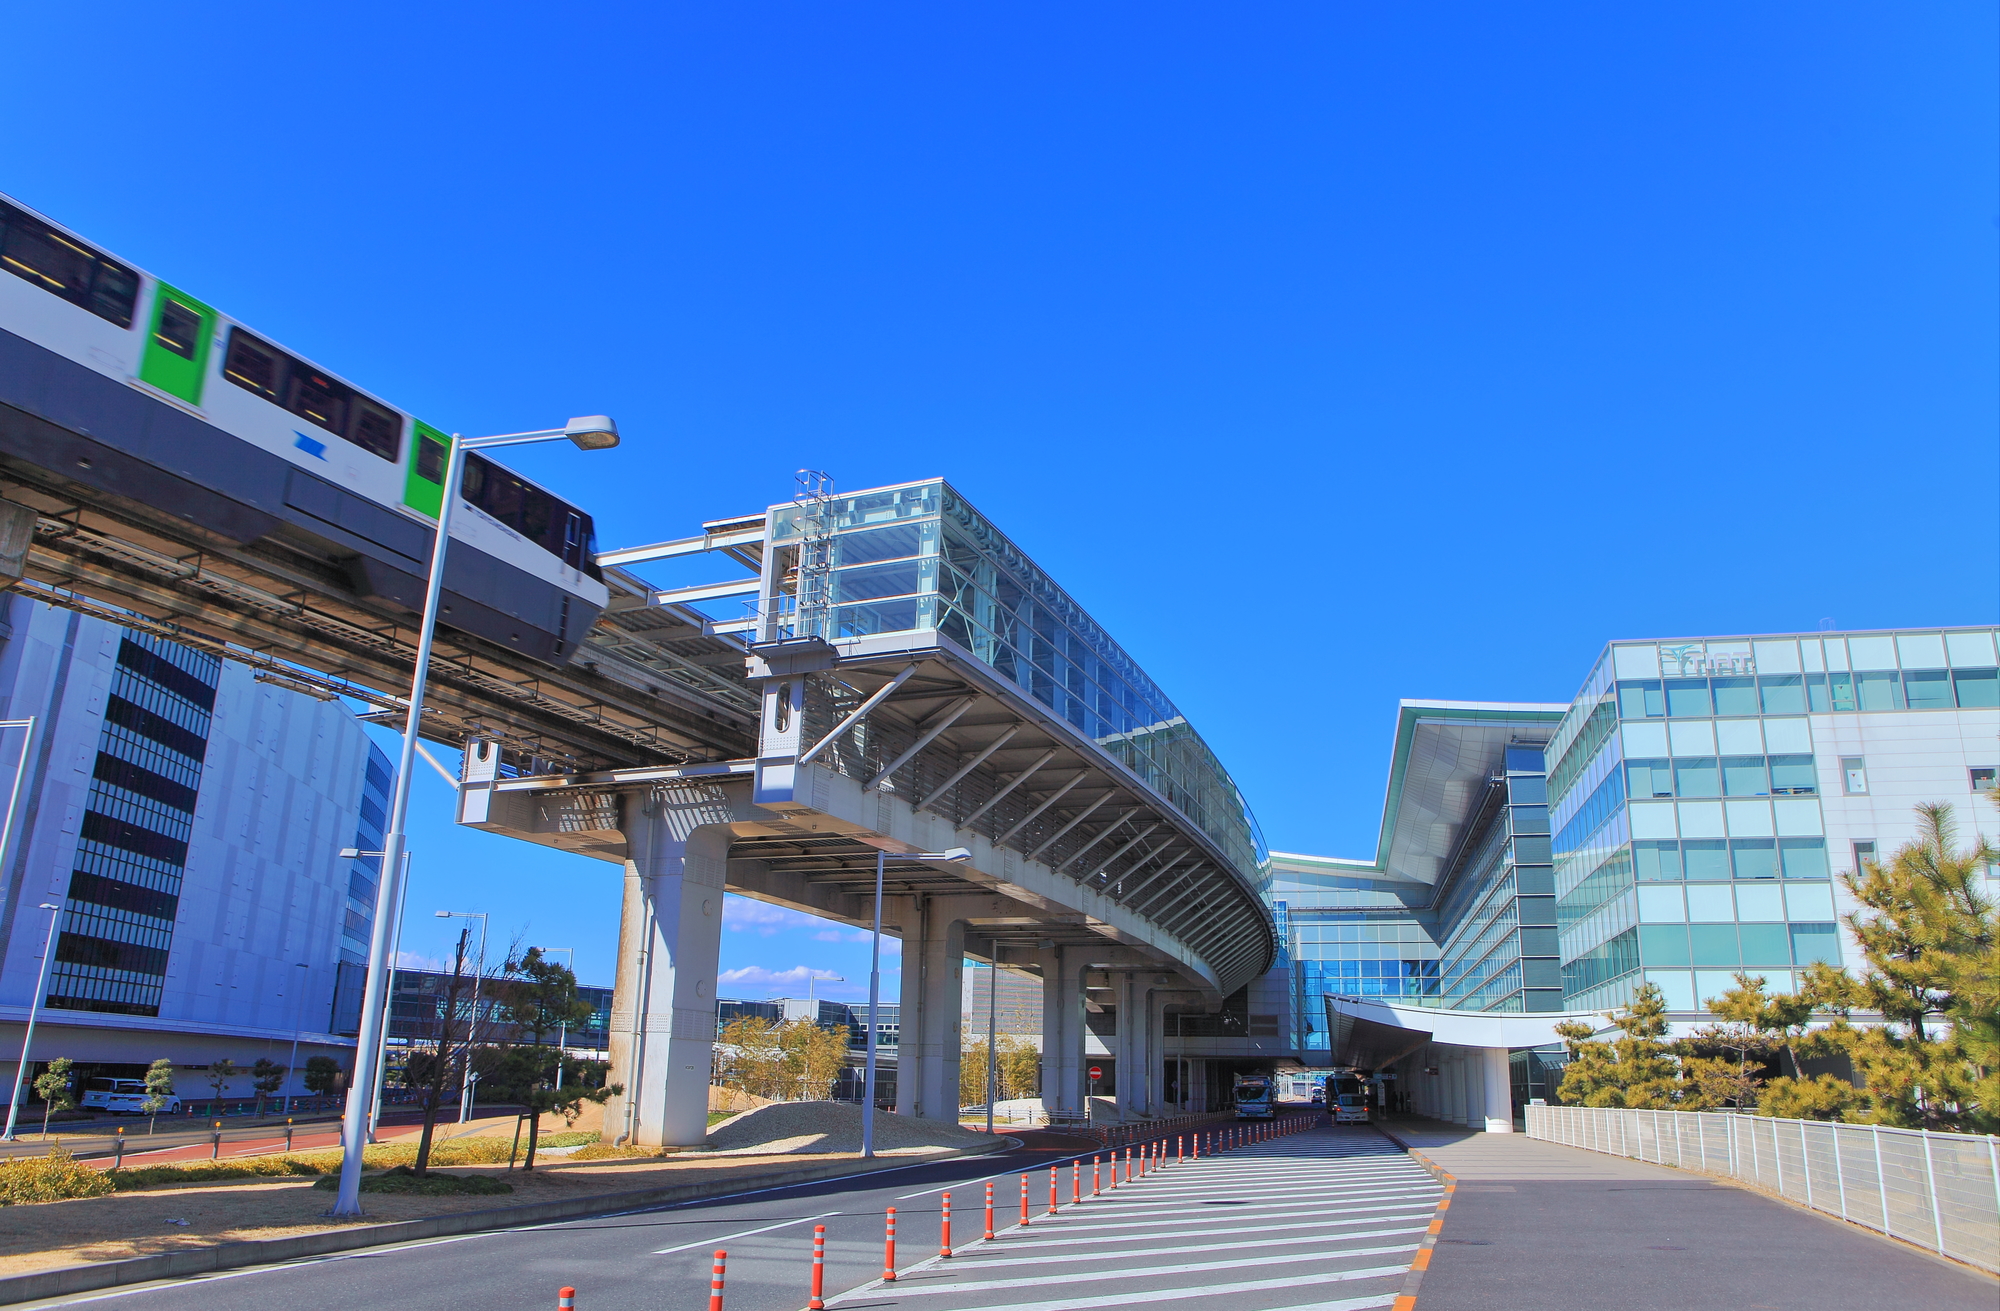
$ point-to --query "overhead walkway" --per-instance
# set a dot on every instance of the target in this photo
(922, 687)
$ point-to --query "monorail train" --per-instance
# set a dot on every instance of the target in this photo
(114, 379)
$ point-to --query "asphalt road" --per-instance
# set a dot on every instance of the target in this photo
(652, 1259)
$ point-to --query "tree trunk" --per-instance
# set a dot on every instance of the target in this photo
(534, 1135)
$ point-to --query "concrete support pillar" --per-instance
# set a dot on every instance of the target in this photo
(1140, 1093)
(1156, 1053)
(662, 1035)
(1499, 1107)
(1062, 1030)
(1128, 996)
(927, 1056)
(1454, 1086)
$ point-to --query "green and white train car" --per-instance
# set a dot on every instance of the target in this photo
(112, 378)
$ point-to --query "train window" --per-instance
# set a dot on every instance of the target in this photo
(264, 369)
(376, 430)
(32, 250)
(537, 516)
(179, 329)
(431, 455)
(317, 397)
(553, 525)
(251, 365)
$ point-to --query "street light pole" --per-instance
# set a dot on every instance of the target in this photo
(562, 1028)
(388, 985)
(992, 1030)
(472, 1024)
(34, 1007)
(592, 433)
(957, 855)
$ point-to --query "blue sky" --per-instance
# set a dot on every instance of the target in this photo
(1330, 354)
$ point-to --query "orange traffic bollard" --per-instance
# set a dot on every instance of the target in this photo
(1054, 1173)
(715, 1282)
(944, 1243)
(889, 1250)
(818, 1300)
(989, 1210)
(1096, 1175)
(565, 1299)
(1024, 1200)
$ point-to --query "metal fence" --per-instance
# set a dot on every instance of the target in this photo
(1937, 1190)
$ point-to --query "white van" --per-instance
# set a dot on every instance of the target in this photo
(123, 1097)
(1352, 1108)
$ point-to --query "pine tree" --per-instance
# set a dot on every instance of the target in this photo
(1930, 934)
(1759, 1029)
(1636, 1070)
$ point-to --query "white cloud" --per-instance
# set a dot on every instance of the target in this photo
(744, 913)
(755, 978)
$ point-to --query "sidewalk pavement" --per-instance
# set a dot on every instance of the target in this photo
(1563, 1229)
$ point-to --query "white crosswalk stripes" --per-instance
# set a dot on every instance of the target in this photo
(1326, 1210)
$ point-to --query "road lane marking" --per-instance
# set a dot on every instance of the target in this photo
(1160, 1271)
(1213, 1247)
(744, 1233)
(1175, 1294)
(1019, 1244)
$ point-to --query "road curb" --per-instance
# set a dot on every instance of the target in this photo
(1406, 1297)
(67, 1280)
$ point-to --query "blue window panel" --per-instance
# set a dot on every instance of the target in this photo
(1815, 942)
(1663, 944)
(1714, 945)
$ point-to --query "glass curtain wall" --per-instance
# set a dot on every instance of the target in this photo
(920, 558)
(124, 888)
(1498, 914)
(1686, 797)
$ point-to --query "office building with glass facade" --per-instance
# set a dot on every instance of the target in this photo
(185, 820)
(1704, 793)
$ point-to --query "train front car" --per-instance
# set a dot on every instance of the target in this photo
(116, 386)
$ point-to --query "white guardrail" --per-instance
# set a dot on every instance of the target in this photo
(1937, 1190)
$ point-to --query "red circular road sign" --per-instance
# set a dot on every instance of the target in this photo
(1096, 1073)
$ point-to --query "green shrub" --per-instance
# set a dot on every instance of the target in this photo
(404, 1180)
(578, 1138)
(190, 1173)
(56, 1177)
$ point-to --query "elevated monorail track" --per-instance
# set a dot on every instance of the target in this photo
(648, 685)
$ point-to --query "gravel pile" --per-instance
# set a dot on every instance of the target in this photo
(790, 1127)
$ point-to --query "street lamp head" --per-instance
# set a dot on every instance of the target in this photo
(444, 914)
(592, 432)
(957, 855)
(50, 905)
(350, 853)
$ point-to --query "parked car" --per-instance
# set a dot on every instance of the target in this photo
(123, 1097)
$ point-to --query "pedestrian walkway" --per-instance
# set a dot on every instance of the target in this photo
(1328, 1219)
(1565, 1229)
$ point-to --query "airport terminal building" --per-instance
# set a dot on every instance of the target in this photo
(1683, 818)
